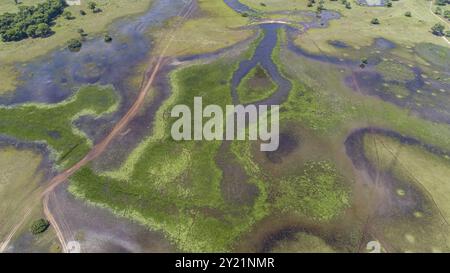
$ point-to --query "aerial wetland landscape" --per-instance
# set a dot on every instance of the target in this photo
(89, 161)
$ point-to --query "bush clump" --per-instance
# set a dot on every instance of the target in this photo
(74, 45)
(39, 226)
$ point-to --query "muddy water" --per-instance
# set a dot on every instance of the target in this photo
(425, 96)
(237, 6)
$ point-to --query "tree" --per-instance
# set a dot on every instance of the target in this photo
(438, 29)
(31, 30)
(441, 2)
(447, 14)
(39, 226)
(42, 30)
(17, 26)
(107, 38)
(82, 13)
(92, 5)
(348, 5)
(438, 11)
(74, 45)
(447, 33)
(13, 34)
(389, 4)
(320, 8)
(67, 15)
(364, 60)
(375, 21)
(408, 14)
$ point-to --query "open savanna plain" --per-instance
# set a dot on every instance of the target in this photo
(364, 150)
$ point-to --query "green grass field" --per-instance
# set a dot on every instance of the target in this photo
(20, 175)
(216, 27)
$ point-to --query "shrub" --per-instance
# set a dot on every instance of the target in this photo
(408, 14)
(375, 21)
(67, 15)
(107, 38)
(92, 5)
(74, 45)
(39, 226)
(438, 29)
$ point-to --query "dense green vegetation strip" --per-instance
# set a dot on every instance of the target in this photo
(53, 123)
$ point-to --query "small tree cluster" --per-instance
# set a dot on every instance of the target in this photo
(438, 29)
(74, 45)
(447, 14)
(39, 226)
(93, 7)
(30, 21)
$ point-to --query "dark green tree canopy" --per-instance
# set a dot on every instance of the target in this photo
(39, 226)
(30, 21)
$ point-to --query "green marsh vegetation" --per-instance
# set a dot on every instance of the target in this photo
(177, 187)
(331, 108)
(53, 123)
(318, 193)
(257, 85)
(393, 71)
